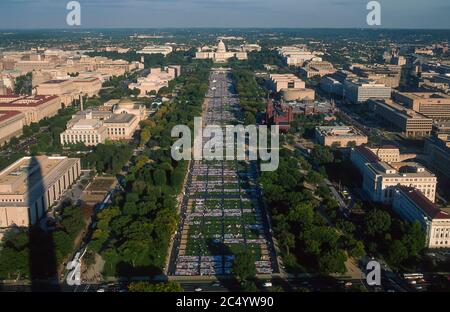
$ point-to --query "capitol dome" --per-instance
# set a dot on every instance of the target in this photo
(221, 47)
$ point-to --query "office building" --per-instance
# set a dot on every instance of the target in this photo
(441, 127)
(90, 132)
(11, 125)
(398, 60)
(433, 82)
(109, 105)
(156, 49)
(411, 205)
(332, 86)
(409, 122)
(30, 66)
(3, 89)
(93, 127)
(431, 104)
(362, 155)
(250, 47)
(360, 90)
(121, 126)
(380, 178)
(156, 79)
(436, 67)
(31, 185)
(438, 150)
(307, 95)
(340, 136)
(95, 114)
(35, 108)
(277, 82)
(69, 90)
(64, 89)
(88, 86)
(127, 106)
(424, 51)
(317, 68)
(386, 153)
(296, 55)
(388, 75)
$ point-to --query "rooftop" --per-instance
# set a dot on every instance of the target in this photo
(112, 102)
(399, 109)
(85, 124)
(277, 77)
(341, 131)
(395, 169)
(400, 169)
(5, 115)
(25, 101)
(423, 203)
(425, 95)
(367, 153)
(28, 172)
(366, 83)
(86, 79)
(55, 81)
(120, 118)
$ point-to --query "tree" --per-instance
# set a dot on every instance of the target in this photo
(357, 249)
(133, 236)
(160, 287)
(414, 239)
(23, 84)
(346, 226)
(244, 267)
(249, 286)
(397, 253)
(135, 91)
(287, 240)
(100, 166)
(159, 177)
(249, 118)
(303, 213)
(14, 255)
(164, 91)
(277, 289)
(145, 136)
(177, 178)
(322, 155)
(377, 222)
(332, 262)
(18, 244)
(314, 177)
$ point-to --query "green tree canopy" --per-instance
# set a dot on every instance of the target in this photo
(244, 267)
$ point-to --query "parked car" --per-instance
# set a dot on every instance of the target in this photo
(267, 284)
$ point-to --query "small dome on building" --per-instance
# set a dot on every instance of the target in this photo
(221, 47)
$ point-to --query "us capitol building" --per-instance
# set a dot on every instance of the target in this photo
(219, 54)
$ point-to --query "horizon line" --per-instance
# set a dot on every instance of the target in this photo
(216, 28)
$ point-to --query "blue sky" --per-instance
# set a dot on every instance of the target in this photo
(224, 13)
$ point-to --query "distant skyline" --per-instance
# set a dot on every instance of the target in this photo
(30, 14)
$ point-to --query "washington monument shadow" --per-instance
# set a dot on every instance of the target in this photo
(43, 266)
(229, 282)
